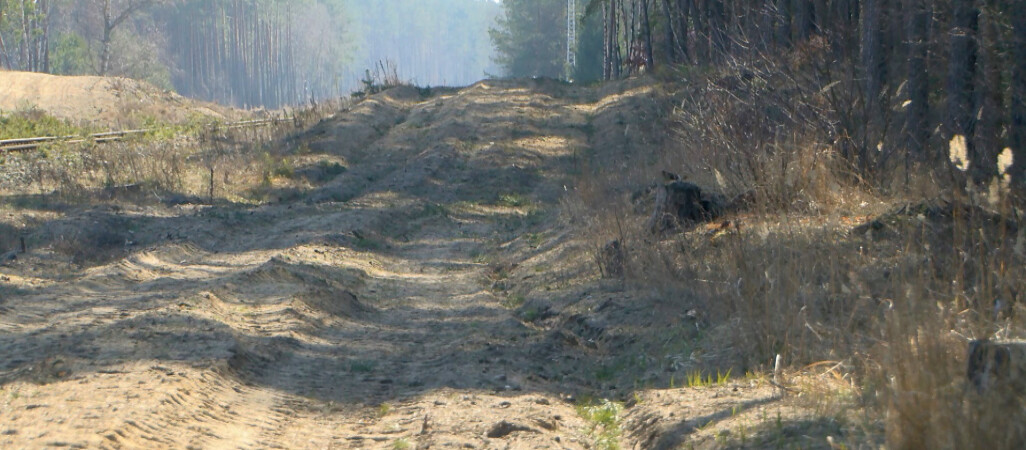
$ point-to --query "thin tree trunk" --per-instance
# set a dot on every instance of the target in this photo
(701, 31)
(1017, 116)
(784, 23)
(23, 47)
(988, 98)
(805, 19)
(821, 16)
(718, 40)
(961, 67)
(649, 62)
(3, 48)
(46, 37)
(671, 39)
(873, 71)
(620, 36)
(607, 54)
(916, 128)
(107, 28)
(684, 8)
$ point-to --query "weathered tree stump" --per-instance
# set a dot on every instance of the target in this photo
(997, 365)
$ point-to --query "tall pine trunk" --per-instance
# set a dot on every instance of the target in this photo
(1017, 116)
(648, 35)
(783, 31)
(916, 129)
(961, 67)
(988, 101)
(874, 69)
(671, 39)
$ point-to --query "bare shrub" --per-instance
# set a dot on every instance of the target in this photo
(383, 76)
(156, 165)
(760, 126)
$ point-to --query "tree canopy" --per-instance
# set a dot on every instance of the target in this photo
(530, 38)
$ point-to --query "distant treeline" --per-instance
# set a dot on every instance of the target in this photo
(909, 80)
(249, 52)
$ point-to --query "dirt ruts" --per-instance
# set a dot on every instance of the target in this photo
(378, 309)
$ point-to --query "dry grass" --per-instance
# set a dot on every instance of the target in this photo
(892, 303)
(198, 162)
(195, 160)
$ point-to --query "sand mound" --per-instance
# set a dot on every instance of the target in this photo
(106, 101)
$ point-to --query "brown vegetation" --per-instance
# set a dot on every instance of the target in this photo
(830, 265)
(395, 269)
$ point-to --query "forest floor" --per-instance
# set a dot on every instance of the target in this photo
(432, 294)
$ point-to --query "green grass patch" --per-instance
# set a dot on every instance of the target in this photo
(534, 239)
(603, 418)
(697, 379)
(277, 167)
(530, 314)
(36, 123)
(512, 200)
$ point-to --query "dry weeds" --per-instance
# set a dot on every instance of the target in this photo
(438, 253)
(822, 268)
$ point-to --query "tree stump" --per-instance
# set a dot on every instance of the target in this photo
(996, 365)
(611, 260)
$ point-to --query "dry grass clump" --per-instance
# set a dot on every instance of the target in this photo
(197, 160)
(820, 265)
(967, 285)
(766, 127)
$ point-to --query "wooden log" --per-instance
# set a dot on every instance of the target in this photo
(997, 365)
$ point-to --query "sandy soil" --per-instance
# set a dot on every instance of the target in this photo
(105, 101)
(373, 311)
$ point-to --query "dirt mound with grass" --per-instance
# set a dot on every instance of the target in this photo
(103, 101)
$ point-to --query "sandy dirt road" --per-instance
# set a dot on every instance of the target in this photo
(369, 312)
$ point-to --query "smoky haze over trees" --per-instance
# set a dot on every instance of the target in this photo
(433, 42)
(251, 52)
